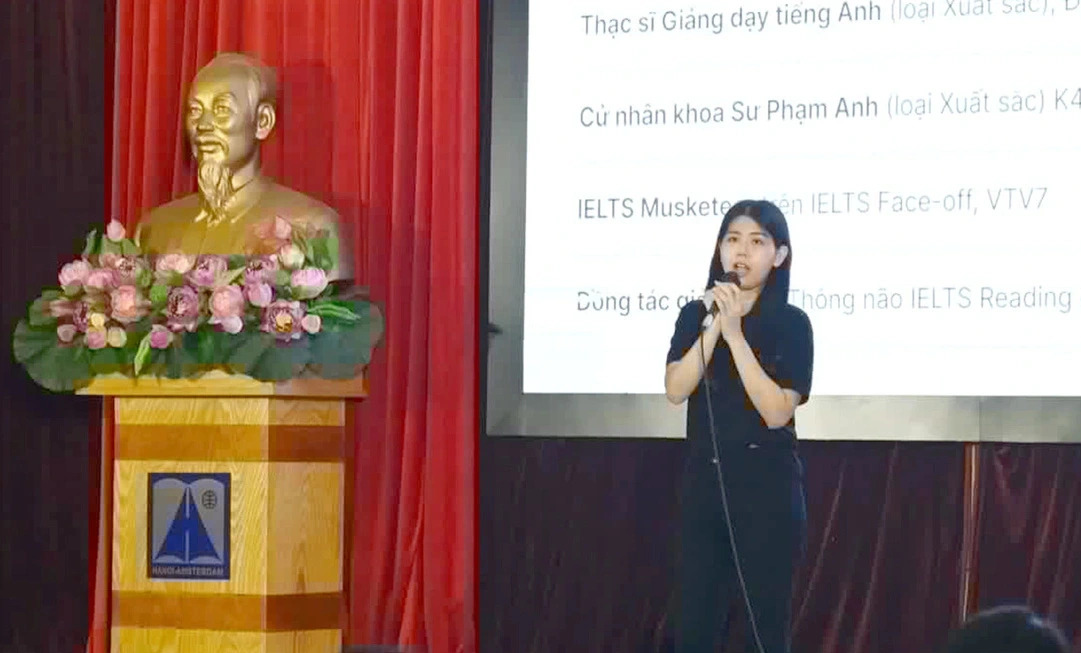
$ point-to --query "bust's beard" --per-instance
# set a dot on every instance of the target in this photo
(215, 185)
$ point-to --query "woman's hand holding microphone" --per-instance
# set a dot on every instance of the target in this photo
(727, 304)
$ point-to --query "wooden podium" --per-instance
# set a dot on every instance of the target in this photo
(230, 498)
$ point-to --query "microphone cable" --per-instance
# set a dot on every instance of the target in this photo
(724, 495)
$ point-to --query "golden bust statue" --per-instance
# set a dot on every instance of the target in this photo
(229, 111)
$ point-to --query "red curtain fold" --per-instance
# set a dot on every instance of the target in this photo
(885, 529)
(1030, 530)
(883, 566)
(378, 118)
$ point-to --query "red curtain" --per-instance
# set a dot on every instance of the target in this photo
(885, 524)
(378, 118)
(1029, 543)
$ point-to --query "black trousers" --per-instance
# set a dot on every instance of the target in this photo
(764, 487)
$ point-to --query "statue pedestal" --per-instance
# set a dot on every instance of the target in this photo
(229, 511)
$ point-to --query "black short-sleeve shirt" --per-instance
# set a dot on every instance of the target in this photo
(782, 341)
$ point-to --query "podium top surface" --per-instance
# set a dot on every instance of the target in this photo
(222, 384)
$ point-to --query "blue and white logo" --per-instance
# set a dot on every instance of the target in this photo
(189, 526)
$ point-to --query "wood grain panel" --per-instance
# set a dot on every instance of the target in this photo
(235, 612)
(247, 523)
(230, 443)
(191, 411)
(305, 520)
(305, 641)
(256, 411)
(221, 442)
(166, 640)
(308, 412)
(286, 459)
(169, 640)
(218, 383)
(286, 527)
(288, 443)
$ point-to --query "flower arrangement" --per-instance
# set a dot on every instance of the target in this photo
(175, 315)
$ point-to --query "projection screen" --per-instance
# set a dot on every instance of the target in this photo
(927, 156)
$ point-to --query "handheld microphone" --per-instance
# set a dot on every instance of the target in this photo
(727, 277)
(730, 277)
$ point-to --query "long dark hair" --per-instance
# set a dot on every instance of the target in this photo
(772, 220)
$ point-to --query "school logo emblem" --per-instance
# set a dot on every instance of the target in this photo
(189, 526)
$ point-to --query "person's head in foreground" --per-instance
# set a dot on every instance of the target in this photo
(1007, 629)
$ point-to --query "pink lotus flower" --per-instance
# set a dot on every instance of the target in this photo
(179, 263)
(311, 323)
(309, 282)
(227, 301)
(74, 273)
(282, 319)
(259, 294)
(127, 305)
(182, 308)
(100, 280)
(108, 260)
(229, 324)
(115, 231)
(160, 337)
(291, 257)
(207, 269)
(226, 307)
(65, 333)
(96, 339)
(125, 269)
(261, 269)
(80, 317)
